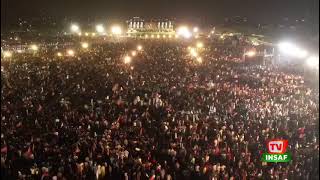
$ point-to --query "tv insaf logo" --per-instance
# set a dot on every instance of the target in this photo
(277, 151)
(277, 146)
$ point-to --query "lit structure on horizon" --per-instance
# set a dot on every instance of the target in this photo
(138, 27)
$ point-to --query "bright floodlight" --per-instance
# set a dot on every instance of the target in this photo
(250, 53)
(127, 59)
(93, 34)
(59, 54)
(146, 36)
(70, 52)
(84, 45)
(170, 36)
(100, 28)
(199, 45)
(34, 47)
(158, 36)
(290, 49)
(86, 34)
(116, 30)
(139, 47)
(74, 28)
(184, 32)
(7, 54)
(313, 61)
(134, 53)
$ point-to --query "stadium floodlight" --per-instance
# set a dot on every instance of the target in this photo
(134, 53)
(313, 61)
(84, 45)
(127, 59)
(34, 47)
(139, 47)
(199, 45)
(116, 30)
(74, 28)
(70, 52)
(195, 29)
(250, 53)
(100, 28)
(7, 54)
(184, 32)
(292, 50)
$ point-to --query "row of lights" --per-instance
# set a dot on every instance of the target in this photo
(158, 36)
(116, 30)
(8, 54)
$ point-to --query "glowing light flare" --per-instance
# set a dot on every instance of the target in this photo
(139, 48)
(74, 28)
(70, 52)
(59, 54)
(250, 53)
(184, 32)
(313, 61)
(84, 45)
(134, 53)
(100, 28)
(34, 47)
(290, 49)
(199, 45)
(127, 59)
(193, 52)
(195, 29)
(7, 54)
(146, 36)
(93, 34)
(116, 30)
(158, 36)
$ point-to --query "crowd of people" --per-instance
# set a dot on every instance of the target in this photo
(162, 116)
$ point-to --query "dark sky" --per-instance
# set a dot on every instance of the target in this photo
(210, 10)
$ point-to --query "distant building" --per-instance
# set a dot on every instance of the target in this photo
(138, 25)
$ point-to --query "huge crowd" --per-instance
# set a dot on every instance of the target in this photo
(162, 116)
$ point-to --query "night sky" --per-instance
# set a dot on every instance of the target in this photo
(264, 11)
